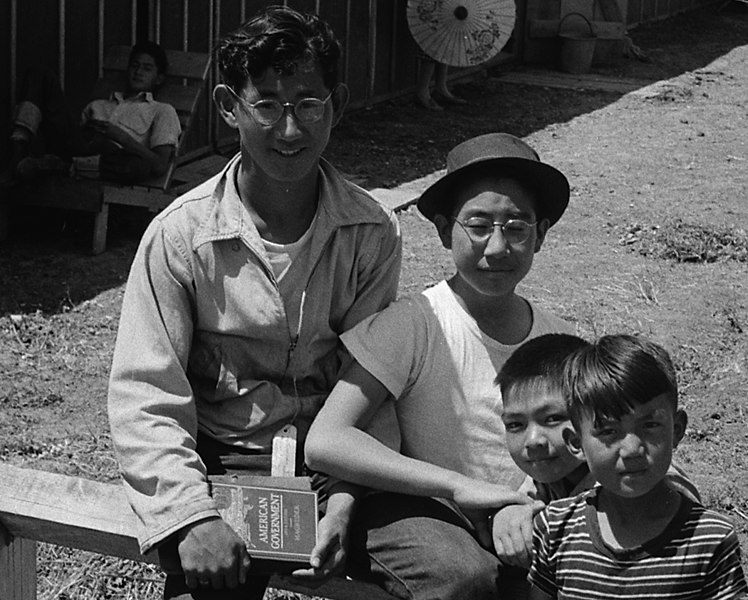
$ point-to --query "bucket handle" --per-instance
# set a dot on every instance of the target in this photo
(589, 24)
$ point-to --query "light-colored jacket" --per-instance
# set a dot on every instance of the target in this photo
(209, 340)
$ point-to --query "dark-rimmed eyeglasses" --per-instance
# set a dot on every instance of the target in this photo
(268, 111)
(479, 230)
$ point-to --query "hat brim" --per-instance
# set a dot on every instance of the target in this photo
(550, 186)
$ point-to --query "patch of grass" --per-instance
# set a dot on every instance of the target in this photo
(688, 242)
(66, 574)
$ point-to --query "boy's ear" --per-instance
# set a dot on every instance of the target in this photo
(542, 228)
(226, 104)
(680, 423)
(340, 98)
(444, 229)
(573, 443)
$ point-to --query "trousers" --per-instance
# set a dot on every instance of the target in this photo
(418, 549)
(63, 136)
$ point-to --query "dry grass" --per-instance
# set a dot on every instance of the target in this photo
(689, 242)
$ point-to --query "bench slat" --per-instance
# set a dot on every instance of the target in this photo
(68, 511)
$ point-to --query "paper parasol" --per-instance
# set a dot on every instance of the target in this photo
(461, 33)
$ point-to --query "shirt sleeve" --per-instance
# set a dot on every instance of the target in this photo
(391, 345)
(725, 578)
(542, 571)
(165, 129)
(378, 272)
(152, 411)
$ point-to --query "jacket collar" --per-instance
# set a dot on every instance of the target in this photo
(341, 203)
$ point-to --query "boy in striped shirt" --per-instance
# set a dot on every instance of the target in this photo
(633, 535)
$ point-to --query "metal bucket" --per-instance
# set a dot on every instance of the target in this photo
(577, 48)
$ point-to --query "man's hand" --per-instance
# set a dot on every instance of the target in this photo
(512, 533)
(110, 131)
(212, 554)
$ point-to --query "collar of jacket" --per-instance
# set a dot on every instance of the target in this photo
(342, 203)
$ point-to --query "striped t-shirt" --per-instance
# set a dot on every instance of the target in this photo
(696, 556)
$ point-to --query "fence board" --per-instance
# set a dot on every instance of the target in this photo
(17, 567)
(68, 511)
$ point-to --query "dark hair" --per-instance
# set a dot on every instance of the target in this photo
(277, 37)
(539, 361)
(617, 372)
(153, 50)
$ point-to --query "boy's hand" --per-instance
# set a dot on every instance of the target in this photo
(512, 533)
(328, 556)
(212, 555)
(473, 494)
(329, 553)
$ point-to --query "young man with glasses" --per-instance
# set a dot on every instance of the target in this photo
(234, 306)
(427, 535)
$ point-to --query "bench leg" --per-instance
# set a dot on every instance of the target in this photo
(101, 222)
(4, 210)
(17, 567)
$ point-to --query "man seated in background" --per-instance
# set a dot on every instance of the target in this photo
(133, 134)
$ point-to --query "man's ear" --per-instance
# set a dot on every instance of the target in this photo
(444, 229)
(541, 228)
(680, 423)
(340, 98)
(573, 443)
(226, 104)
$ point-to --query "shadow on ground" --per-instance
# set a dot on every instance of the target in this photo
(395, 142)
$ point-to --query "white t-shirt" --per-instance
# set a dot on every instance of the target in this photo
(433, 358)
(282, 255)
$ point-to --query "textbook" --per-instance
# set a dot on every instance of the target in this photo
(276, 517)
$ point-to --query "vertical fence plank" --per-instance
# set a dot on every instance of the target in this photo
(17, 567)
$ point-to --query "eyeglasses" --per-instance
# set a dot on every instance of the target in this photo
(268, 112)
(479, 230)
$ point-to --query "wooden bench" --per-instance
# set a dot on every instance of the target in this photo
(187, 76)
(37, 506)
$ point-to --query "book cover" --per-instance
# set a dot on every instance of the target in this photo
(276, 523)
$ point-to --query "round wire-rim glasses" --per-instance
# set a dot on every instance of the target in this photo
(268, 111)
(480, 230)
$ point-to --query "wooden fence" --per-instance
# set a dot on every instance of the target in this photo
(70, 37)
(37, 506)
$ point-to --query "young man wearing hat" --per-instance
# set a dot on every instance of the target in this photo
(437, 354)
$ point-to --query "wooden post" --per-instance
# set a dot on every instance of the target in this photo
(101, 223)
(17, 567)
